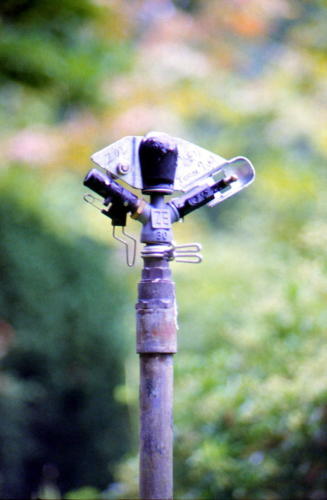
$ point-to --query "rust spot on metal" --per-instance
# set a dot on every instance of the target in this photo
(156, 322)
(156, 330)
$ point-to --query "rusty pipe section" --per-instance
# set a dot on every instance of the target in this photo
(156, 344)
(156, 322)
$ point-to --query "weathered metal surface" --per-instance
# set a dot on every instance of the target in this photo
(195, 165)
(156, 309)
(156, 343)
(156, 331)
(156, 426)
(158, 228)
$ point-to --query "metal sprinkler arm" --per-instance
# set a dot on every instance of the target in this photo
(156, 217)
(199, 196)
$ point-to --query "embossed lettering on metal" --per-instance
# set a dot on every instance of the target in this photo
(122, 152)
(160, 218)
(194, 165)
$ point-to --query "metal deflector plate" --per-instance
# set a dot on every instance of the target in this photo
(194, 165)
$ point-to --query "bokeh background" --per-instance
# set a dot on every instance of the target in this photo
(236, 77)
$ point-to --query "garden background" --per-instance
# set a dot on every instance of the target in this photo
(236, 77)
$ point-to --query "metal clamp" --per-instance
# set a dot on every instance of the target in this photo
(188, 253)
(129, 243)
(94, 201)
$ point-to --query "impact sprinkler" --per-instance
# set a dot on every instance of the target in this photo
(159, 165)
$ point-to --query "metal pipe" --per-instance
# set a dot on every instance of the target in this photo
(156, 426)
(156, 344)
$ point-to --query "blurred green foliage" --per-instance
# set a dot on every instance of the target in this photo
(256, 385)
(58, 294)
(59, 48)
(62, 348)
(240, 78)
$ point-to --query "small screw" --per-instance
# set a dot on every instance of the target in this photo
(122, 169)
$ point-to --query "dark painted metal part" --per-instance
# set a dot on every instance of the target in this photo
(158, 161)
(156, 426)
(121, 200)
(98, 182)
(198, 197)
(156, 343)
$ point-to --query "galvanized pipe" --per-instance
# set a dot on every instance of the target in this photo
(156, 344)
(156, 426)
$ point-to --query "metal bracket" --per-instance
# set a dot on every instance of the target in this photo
(130, 248)
(195, 165)
(94, 201)
(187, 254)
(129, 242)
